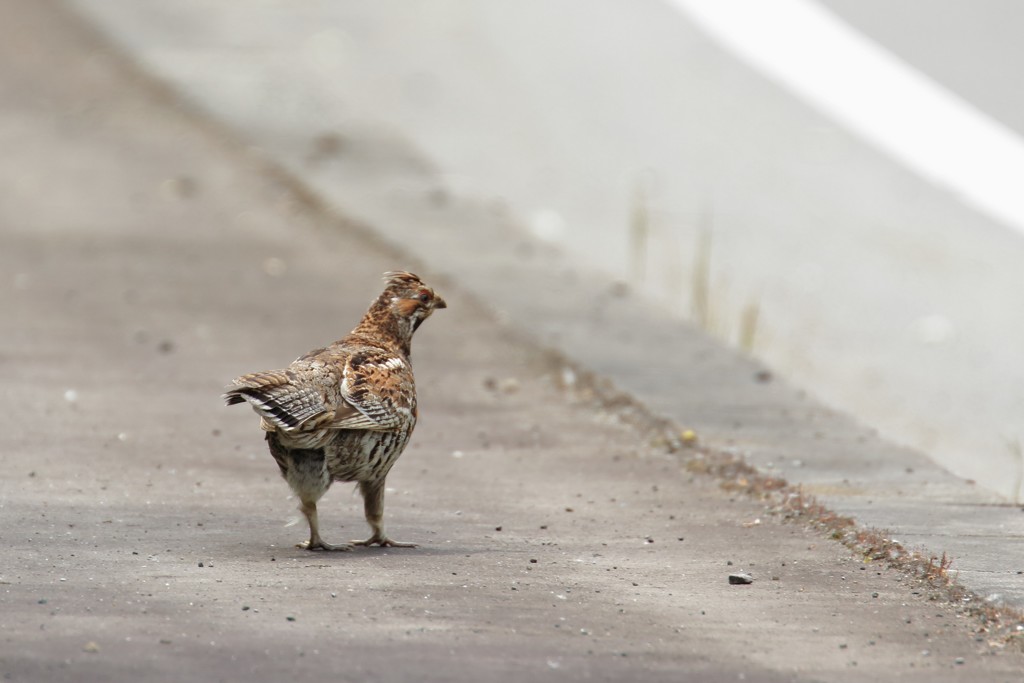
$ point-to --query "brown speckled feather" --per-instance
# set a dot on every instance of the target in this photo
(350, 406)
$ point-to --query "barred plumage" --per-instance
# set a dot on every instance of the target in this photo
(345, 412)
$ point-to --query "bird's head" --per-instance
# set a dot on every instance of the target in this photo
(400, 309)
(410, 298)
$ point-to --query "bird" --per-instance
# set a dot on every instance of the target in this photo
(345, 412)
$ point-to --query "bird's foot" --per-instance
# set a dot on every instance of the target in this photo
(319, 544)
(384, 542)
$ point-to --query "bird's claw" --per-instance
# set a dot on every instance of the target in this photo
(321, 545)
(384, 542)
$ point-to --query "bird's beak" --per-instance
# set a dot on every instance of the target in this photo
(439, 302)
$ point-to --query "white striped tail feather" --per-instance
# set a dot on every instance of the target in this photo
(285, 406)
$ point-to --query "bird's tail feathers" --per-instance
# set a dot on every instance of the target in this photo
(277, 401)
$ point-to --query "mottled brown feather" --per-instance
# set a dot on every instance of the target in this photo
(350, 406)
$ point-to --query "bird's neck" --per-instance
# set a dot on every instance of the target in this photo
(380, 324)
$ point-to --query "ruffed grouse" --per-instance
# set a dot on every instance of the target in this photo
(345, 412)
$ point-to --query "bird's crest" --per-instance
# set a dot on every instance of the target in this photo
(401, 277)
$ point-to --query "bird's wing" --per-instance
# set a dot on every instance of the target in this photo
(379, 387)
(295, 398)
(365, 389)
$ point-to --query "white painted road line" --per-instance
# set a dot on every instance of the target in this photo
(855, 81)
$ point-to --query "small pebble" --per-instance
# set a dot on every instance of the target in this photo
(740, 579)
(290, 618)
(275, 267)
(509, 385)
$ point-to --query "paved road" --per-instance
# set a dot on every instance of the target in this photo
(876, 292)
(147, 258)
(365, 167)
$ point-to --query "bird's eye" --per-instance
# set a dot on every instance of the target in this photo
(424, 297)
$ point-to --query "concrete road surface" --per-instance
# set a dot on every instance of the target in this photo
(323, 93)
(146, 259)
(881, 294)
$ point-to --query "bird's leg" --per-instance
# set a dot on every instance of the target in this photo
(308, 508)
(305, 470)
(373, 504)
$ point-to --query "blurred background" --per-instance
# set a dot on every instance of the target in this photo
(716, 156)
